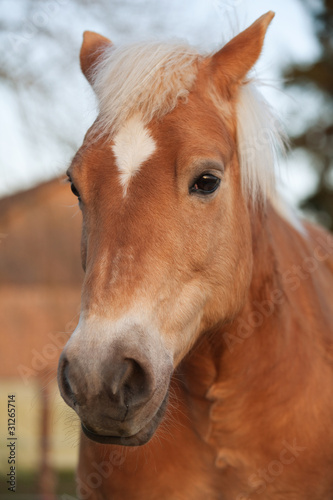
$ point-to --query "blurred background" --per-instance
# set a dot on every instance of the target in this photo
(46, 107)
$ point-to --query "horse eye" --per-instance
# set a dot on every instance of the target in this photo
(75, 191)
(205, 184)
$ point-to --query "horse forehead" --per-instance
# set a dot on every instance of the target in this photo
(132, 146)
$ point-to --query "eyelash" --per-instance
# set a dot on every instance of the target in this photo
(73, 189)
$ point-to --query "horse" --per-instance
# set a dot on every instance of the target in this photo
(202, 363)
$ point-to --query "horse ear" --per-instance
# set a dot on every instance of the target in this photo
(231, 64)
(92, 47)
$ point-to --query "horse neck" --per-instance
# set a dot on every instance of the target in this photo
(246, 382)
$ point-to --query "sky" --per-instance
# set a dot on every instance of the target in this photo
(207, 24)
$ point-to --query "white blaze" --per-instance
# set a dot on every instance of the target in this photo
(133, 145)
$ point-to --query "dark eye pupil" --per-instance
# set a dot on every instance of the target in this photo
(206, 184)
(74, 190)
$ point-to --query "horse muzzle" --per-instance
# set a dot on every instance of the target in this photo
(119, 391)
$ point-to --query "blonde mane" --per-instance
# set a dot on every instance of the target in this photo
(146, 77)
(150, 78)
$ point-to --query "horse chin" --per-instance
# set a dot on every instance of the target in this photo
(141, 437)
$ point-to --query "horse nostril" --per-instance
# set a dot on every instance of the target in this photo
(64, 383)
(128, 382)
(138, 381)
